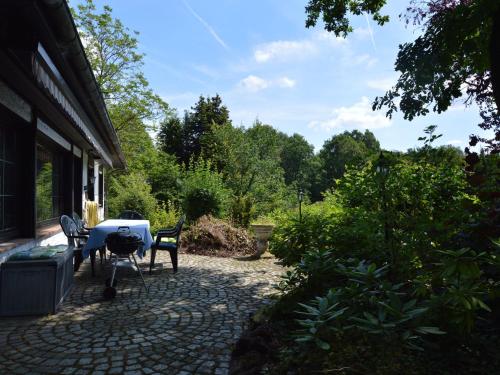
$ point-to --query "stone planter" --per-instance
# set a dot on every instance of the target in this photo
(262, 234)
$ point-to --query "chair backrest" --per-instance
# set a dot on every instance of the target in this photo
(180, 223)
(178, 229)
(69, 228)
(130, 215)
(78, 221)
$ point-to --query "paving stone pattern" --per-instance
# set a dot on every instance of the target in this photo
(186, 324)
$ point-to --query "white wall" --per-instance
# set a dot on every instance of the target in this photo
(85, 161)
(97, 164)
(85, 170)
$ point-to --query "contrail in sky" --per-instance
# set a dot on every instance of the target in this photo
(206, 25)
(371, 32)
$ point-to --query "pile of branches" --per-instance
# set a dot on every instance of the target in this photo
(215, 237)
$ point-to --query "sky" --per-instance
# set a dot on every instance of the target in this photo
(264, 63)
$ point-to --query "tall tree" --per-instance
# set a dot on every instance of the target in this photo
(134, 109)
(346, 149)
(112, 50)
(457, 54)
(206, 113)
(296, 156)
(253, 174)
(268, 140)
(170, 137)
(192, 136)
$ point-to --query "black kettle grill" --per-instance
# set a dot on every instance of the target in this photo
(122, 244)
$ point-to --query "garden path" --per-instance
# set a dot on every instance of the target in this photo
(186, 324)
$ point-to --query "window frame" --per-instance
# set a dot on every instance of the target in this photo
(15, 230)
(54, 148)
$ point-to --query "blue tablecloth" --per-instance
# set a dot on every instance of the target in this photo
(100, 231)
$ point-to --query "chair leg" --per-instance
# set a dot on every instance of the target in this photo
(102, 253)
(78, 259)
(152, 261)
(173, 258)
(92, 262)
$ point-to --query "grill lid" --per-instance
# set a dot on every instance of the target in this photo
(123, 241)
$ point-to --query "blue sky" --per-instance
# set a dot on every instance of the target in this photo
(265, 64)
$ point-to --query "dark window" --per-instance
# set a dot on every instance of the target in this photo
(90, 180)
(49, 179)
(77, 184)
(8, 183)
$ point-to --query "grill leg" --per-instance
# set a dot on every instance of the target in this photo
(115, 264)
(140, 273)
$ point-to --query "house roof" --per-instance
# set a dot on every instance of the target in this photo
(59, 19)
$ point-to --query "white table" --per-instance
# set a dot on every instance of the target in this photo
(98, 234)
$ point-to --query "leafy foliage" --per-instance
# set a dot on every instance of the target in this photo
(166, 215)
(344, 150)
(455, 52)
(365, 303)
(293, 238)
(203, 192)
(381, 260)
(192, 136)
(334, 13)
(131, 192)
(112, 50)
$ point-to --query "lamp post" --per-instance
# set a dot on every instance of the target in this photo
(300, 196)
(382, 168)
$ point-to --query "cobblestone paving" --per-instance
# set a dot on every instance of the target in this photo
(186, 324)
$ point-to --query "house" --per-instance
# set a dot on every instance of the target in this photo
(56, 138)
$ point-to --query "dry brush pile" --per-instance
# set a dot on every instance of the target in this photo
(215, 237)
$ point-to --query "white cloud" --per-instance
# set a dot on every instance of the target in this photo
(330, 38)
(254, 83)
(285, 82)
(286, 49)
(359, 115)
(283, 49)
(454, 142)
(382, 84)
(362, 32)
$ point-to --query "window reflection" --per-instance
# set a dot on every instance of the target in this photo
(48, 184)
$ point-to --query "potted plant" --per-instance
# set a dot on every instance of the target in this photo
(263, 229)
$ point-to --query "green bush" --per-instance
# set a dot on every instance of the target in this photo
(365, 302)
(401, 217)
(242, 210)
(404, 216)
(292, 237)
(203, 191)
(380, 260)
(166, 215)
(130, 192)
